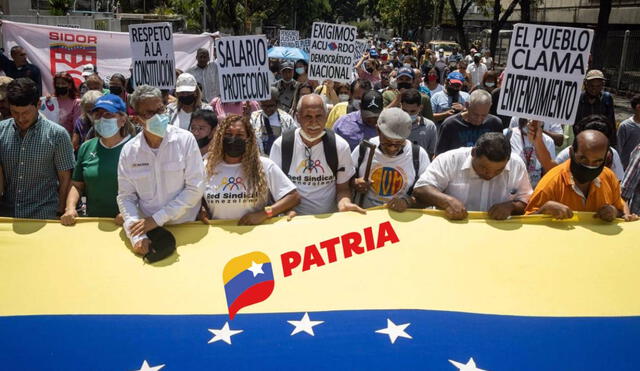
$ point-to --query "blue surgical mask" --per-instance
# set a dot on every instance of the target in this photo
(413, 118)
(300, 70)
(157, 125)
(107, 128)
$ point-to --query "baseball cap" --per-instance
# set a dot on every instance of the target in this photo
(163, 244)
(594, 75)
(4, 83)
(477, 55)
(186, 82)
(393, 52)
(88, 70)
(110, 103)
(406, 71)
(395, 123)
(455, 78)
(286, 65)
(371, 104)
(373, 53)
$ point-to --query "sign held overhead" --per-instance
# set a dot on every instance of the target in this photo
(243, 68)
(152, 53)
(332, 52)
(545, 71)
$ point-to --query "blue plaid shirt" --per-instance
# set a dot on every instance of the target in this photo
(31, 164)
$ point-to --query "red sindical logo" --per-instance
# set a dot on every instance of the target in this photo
(68, 52)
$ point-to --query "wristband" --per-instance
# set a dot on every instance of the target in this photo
(269, 211)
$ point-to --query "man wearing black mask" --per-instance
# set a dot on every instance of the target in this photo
(405, 81)
(581, 184)
(203, 126)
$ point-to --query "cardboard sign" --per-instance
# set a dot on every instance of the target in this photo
(361, 47)
(152, 53)
(289, 37)
(243, 68)
(332, 52)
(303, 44)
(545, 72)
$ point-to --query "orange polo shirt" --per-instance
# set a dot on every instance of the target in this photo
(558, 185)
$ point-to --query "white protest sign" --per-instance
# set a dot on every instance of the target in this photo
(303, 44)
(331, 52)
(361, 48)
(152, 53)
(50, 108)
(243, 68)
(545, 71)
(289, 37)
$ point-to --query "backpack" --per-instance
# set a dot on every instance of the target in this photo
(415, 157)
(328, 143)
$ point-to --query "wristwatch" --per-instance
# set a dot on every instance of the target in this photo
(269, 211)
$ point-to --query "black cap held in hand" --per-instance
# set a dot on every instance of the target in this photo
(163, 244)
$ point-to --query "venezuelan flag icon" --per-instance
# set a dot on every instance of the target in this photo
(248, 279)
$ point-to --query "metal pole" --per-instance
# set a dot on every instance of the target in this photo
(625, 45)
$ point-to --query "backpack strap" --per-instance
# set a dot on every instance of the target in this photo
(415, 158)
(331, 151)
(288, 139)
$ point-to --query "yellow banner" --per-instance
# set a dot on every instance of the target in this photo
(529, 266)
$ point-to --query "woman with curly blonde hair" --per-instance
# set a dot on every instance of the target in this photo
(240, 183)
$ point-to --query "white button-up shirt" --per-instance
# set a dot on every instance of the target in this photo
(166, 183)
(452, 173)
(208, 78)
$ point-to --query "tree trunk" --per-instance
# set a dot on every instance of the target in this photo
(462, 37)
(525, 11)
(598, 50)
(498, 22)
(439, 12)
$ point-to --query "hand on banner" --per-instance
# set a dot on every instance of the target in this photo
(607, 213)
(143, 226)
(630, 217)
(556, 210)
(291, 214)
(501, 211)
(255, 218)
(246, 109)
(119, 219)
(534, 131)
(455, 209)
(142, 247)
(203, 215)
(69, 217)
(399, 204)
(346, 205)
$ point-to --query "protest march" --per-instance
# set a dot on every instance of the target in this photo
(318, 197)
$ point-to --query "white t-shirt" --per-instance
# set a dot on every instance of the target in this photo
(183, 119)
(616, 163)
(550, 127)
(476, 72)
(528, 155)
(314, 179)
(390, 176)
(226, 191)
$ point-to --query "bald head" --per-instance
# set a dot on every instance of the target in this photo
(311, 101)
(591, 147)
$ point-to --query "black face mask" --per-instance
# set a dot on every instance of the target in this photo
(453, 93)
(581, 173)
(117, 90)
(186, 100)
(61, 90)
(477, 60)
(404, 85)
(203, 142)
(234, 146)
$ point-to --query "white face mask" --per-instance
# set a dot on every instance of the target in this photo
(311, 139)
(343, 97)
(107, 127)
(490, 84)
(356, 103)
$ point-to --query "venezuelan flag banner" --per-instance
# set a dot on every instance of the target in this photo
(385, 291)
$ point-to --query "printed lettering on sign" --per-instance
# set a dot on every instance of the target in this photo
(68, 52)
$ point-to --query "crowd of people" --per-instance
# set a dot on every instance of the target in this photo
(413, 129)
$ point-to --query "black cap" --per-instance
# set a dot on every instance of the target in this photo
(371, 104)
(163, 244)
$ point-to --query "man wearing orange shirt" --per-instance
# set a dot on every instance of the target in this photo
(581, 184)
